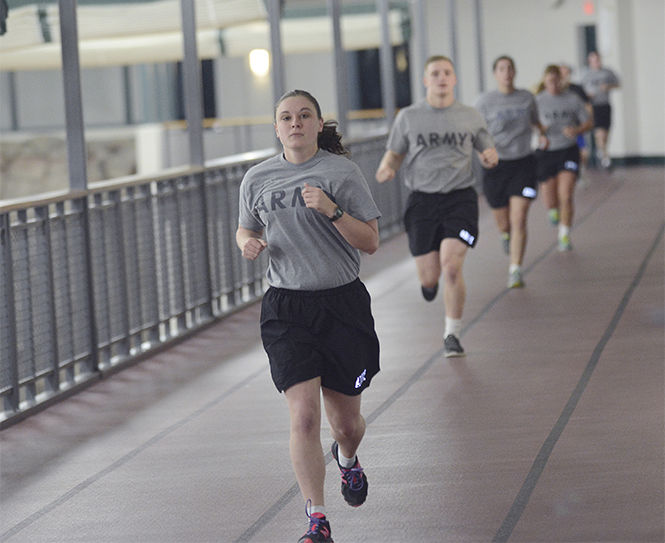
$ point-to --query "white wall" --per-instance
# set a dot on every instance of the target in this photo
(531, 31)
(5, 114)
(41, 99)
(646, 65)
(238, 93)
(105, 96)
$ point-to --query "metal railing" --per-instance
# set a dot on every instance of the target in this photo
(95, 280)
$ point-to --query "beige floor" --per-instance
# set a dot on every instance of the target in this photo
(551, 429)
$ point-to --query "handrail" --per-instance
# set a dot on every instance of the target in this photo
(46, 198)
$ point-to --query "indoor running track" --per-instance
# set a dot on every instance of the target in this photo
(551, 429)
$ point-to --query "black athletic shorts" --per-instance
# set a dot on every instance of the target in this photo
(550, 163)
(429, 218)
(510, 178)
(321, 333)
(602, 116)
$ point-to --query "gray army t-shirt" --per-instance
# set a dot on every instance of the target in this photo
(510, 119)
(305, 250)
(593, 81)
(439, 145)
(558, 111)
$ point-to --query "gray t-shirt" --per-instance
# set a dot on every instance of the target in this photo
(510, 119)
(438, 144)
(558, 111)
(305, 250)
(593, 80)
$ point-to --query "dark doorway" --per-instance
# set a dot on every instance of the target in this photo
(587, 43)
(365, 91)
(207, 88)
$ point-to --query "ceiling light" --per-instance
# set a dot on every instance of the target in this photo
(259, 62)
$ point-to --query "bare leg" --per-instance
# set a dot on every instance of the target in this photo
(429, 269)
(584, 158)
(548, 189)
(566, 189)
(452, 256)
(502, 219)
(600, 135)
(519, 208)
(347, 425)
(304, 401)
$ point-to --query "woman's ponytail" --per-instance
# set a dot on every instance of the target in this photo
(330, 140)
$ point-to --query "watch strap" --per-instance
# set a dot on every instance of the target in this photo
(338, 213)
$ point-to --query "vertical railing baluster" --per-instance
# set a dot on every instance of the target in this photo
(100, 272)
(153, 334)
(180, 247)
(29, 337)
(212, 213)
(115, 197)
(161, 257)
(11, 400)
(53, 380)
(68, 306)
(131, 267)
(228, 243)
(207, 265)
(81, 206)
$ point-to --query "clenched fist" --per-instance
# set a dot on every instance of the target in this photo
(489, 157)
(253, 248)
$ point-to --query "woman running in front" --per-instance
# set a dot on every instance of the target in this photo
(565, 116)
(312, 210)
(511, 116)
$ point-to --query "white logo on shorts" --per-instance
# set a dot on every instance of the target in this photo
(466, 236)
(361, 379)
(529, 192)
(570, 165)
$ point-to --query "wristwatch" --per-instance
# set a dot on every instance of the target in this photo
(338, 213)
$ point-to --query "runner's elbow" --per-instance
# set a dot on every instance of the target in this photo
(372, 246)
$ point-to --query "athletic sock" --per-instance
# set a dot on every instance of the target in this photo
(563, 230)
(345, 462)
(514, 268)
(321, 509)
(453, 326)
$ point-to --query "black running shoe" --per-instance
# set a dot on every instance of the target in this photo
(354, 481)
(429, 293)
(319, 529)
(452, 346)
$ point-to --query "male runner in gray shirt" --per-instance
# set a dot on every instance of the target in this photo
(597, 83)
(435, 140)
